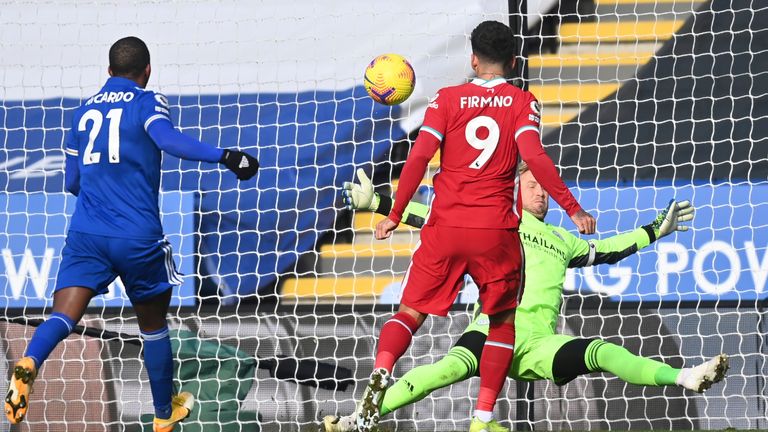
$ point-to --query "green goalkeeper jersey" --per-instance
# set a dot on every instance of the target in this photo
(549, 251)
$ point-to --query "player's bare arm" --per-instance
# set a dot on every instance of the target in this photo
(584, 221)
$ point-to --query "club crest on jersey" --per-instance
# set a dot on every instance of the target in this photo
(161, 99)
(535, 107)
(433, 101)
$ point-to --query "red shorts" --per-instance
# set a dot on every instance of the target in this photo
(493, 257)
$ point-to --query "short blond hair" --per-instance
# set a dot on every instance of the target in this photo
(522, 167)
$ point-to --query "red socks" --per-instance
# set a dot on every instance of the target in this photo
(394, 340)
(494, 364)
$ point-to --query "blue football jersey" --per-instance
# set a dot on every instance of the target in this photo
(119, 163)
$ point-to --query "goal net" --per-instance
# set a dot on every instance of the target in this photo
(285, 291)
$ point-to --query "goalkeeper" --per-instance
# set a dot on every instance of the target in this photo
(540, 353)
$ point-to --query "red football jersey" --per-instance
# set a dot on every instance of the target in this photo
(476, 126)
(478, 123)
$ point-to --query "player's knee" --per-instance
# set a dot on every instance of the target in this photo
(569, 361)
(469, 348)
(413, 313)
(72, 301)
(503, 317)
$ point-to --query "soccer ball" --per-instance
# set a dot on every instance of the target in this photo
(389, 79)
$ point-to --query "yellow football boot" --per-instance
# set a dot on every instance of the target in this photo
(17, 399)
(182, 404)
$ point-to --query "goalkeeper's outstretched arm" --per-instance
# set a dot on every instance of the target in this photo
(363, 197)
(615, 248)
(584, 252)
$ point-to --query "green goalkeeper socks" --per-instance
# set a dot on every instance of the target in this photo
(457, 365)
(606, 357)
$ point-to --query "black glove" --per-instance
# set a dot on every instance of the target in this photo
(242, 164)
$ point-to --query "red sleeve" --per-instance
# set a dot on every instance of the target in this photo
(436, 117)
(529, 116)
(542, 167)
(423, 149)
(430, 136)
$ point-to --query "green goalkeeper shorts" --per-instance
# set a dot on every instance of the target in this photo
(534, 353)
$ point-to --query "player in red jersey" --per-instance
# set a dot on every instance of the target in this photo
(481, 128)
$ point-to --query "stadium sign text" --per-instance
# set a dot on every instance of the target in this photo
(721, 257)
(36, 226)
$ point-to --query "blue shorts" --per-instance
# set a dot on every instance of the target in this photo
(92, 261)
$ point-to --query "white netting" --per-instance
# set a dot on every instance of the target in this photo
(643, 101)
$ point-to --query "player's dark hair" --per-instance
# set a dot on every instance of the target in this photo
(128, 57)
(494, 42)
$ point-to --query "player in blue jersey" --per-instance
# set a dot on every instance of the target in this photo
(113, 155)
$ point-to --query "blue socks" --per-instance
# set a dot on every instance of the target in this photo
(54, 330)
(159, 363)
(157, 356)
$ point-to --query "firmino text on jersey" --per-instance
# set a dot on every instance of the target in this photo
(482, 101)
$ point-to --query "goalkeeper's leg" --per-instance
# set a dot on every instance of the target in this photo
(458, 365)
(601, 356)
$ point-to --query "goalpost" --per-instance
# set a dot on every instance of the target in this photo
(643, 101)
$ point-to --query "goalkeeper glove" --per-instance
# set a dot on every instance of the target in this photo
(668, 220)
(360, 196)
(242, 164)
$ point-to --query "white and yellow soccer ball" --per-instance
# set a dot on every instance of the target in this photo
(389, 79)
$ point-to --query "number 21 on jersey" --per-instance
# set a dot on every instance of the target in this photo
(113, 140)
(487, 144)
